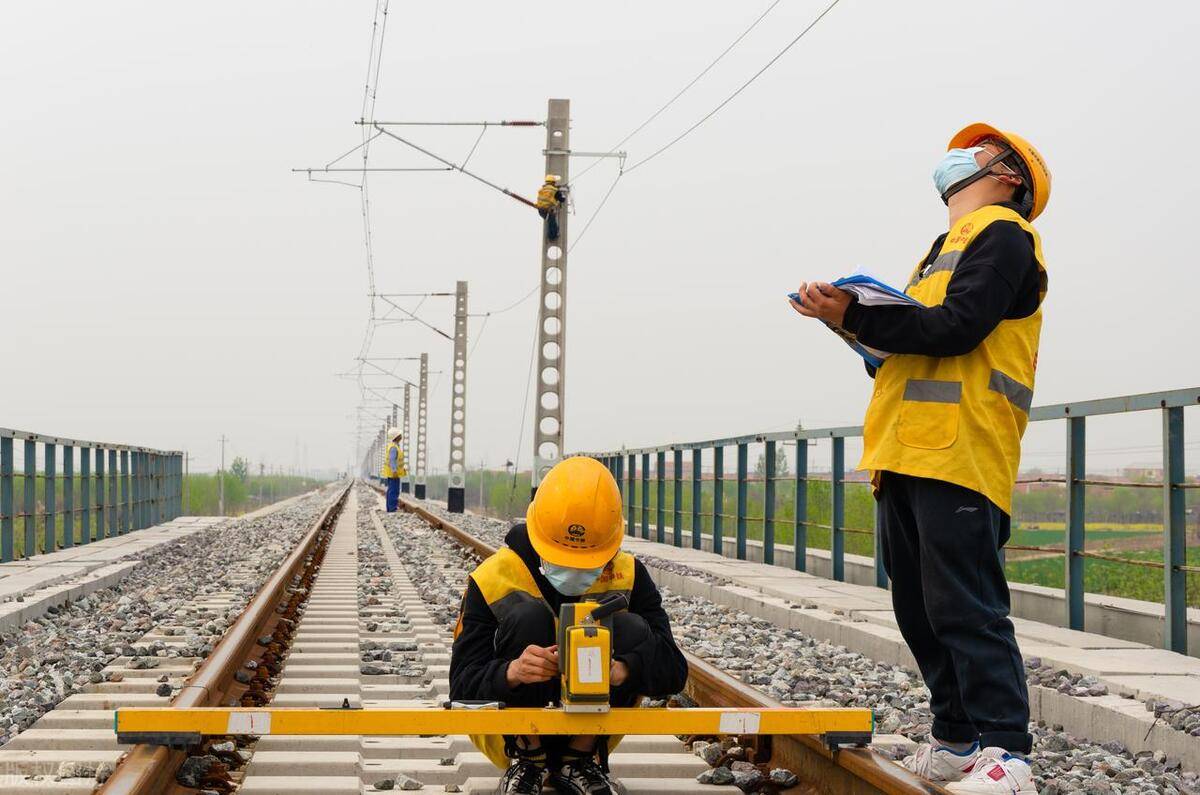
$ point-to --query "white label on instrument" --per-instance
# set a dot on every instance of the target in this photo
(587, 665)
(249, 723)
(739, 723)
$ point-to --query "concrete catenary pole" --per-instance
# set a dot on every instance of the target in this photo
(552, 309)
(457, 483)
(406, 482)
(422, 420)
(221, 479)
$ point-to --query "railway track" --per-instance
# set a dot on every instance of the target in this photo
(849, 770)
(343, 622)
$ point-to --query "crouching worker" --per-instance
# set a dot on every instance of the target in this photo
(567, 550)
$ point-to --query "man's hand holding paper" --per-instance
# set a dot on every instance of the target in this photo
(823, 301)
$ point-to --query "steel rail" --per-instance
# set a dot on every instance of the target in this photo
(150, 769)
(847, 771)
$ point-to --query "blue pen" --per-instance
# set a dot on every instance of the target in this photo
(796, 297)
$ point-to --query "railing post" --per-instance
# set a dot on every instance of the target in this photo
(152, 473)
(800, 534)
(718, 499)
(1076, 472)
(85, 495)
(697, 497)
(114, 526)
(646, 496)
(30, 490)
(50, 539)
(660, 463)
(135, 505)
(837, 489)
(618, 467)
(677, 502)
(630, 525)
(769, 505)
(145, 506)
(100, 506)
(1174, 533)
(6, 499)
(881, 577)
(742, 452)
(68, 490)
(124, 491)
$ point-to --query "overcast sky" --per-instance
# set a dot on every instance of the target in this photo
(167, 279)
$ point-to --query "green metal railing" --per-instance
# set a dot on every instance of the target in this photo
(624, 466)
(81, 501)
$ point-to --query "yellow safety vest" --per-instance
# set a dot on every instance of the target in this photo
(505, 582)
(385, 471)
(547, 196)
(958, 419)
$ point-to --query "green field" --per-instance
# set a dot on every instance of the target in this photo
(1109, 521)
(1107, 577)
(1096, 539)
(241, 496)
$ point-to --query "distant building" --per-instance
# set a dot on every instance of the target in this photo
(1142, 472)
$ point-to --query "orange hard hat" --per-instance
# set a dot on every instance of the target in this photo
(1035, 167)
(575, 517)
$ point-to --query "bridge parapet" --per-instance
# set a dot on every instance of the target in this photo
(705, 472)
(75, 491)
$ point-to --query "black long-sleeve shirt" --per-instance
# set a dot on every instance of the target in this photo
(657, 665)
(996, 279)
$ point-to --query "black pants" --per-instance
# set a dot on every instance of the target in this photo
(551, 217)
(531, 623)
(941, 548)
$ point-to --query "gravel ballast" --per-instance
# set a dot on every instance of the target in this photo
(49, 659)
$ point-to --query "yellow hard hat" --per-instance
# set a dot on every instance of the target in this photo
(575, 517)
(1035, 167)
(553, 177)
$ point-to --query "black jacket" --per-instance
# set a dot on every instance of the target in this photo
(657, 666)
(996, 279)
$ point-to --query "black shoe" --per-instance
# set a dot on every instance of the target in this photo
(523, 777)
(581, 776)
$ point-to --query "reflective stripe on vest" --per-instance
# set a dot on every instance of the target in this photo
(385, 469)
(958, 419)
(505, 582)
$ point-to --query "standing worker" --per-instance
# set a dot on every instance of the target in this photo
(549, 201)
(568, 549)
(942, 437)
(393, 468)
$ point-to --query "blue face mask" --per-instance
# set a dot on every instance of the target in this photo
(568, 581)
(955, 166)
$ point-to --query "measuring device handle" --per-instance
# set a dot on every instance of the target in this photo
(610, 606)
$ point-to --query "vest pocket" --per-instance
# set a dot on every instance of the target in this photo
(929, 413)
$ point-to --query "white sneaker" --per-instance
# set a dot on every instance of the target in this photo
(934, 762)
(996, 773)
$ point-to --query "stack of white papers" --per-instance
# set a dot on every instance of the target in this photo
(869, 291)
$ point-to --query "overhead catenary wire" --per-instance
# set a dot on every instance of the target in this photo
(459, 168)
(736, 92)
(685, 89)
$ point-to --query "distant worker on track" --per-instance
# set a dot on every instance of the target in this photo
(942, 437)
(549, 203)
(392, 468)
(568, 549)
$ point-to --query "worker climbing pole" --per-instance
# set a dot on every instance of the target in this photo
(552, 309)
